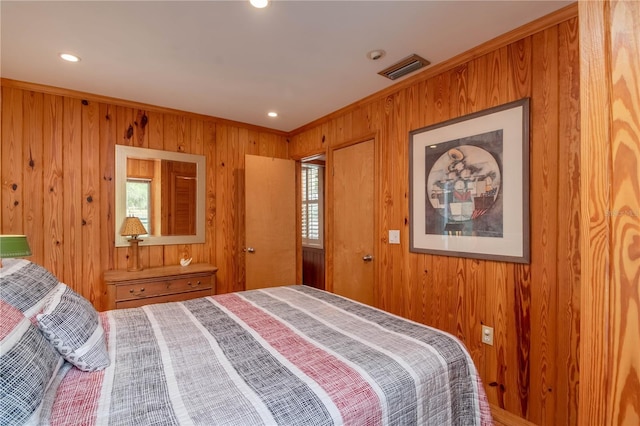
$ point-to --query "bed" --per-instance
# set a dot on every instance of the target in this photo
(290, 355)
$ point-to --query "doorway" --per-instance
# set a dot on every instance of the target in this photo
(312, 186)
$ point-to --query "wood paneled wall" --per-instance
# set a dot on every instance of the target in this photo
(610, 105)
(532, 369)
(57, 177)
(313, 267)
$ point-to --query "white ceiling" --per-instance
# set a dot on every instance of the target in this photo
(303, 59)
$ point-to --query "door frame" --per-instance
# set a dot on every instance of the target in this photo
(330, 213)
(298, 159)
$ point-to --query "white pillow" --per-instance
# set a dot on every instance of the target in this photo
(73, 327)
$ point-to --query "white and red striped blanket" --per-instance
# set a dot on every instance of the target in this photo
(281, 356)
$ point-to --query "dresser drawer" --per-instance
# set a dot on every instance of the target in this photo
(160, 284)
(157, 288)
(180, 297)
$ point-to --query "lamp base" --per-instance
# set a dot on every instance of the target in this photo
(135, 258)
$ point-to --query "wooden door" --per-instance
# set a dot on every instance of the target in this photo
(353, 222)
(270, 222)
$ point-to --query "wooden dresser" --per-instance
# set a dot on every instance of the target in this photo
(161, 284)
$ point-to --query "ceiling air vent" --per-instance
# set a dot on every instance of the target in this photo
(404, 67)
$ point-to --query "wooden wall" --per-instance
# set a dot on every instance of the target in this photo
(532, 369)
(610, 105)
(57, 177)
(313, 267)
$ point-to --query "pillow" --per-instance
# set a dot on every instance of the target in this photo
(25, 285)
(73, 327)
(28, 364)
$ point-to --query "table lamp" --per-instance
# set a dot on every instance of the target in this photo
(13, 246)
(132, 227)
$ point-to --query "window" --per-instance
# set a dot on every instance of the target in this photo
(312, 205)
(139, 200)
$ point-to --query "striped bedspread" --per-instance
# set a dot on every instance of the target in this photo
(281, 356)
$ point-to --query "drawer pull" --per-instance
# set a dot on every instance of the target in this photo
(132, 291)
(194, 285)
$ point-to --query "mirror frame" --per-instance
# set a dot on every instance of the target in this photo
(122, 153)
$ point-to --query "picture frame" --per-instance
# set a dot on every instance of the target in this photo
(469, 185)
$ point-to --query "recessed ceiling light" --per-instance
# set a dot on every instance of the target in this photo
(69, 57)
(259, 3)
(272, 114)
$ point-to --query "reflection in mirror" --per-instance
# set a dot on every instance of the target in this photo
(162, 194)
(165, 190)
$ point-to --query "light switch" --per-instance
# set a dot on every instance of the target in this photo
(394, 236)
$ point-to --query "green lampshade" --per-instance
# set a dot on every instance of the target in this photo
(14, 246)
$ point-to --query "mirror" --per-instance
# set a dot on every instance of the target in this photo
(166, 190)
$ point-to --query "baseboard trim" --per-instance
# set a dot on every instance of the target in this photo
(508, 419)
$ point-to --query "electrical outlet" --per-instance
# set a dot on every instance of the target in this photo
(487, 335)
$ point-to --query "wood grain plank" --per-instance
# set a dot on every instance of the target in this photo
(12, 154)
(522, 337)
(520, 69)
(624, 397)
(53, 186)
(544, 224)
(384, 188)
(91, 286)
(474, 309)
(595, 175)
(398, 202)
(329, 210)
(499, 297)
(210, 204)
(140, 128)
(72, 190)
(236, 206)
(107, 120)
(568, 338)
(224, 229)
(125, 126)
(32, 163)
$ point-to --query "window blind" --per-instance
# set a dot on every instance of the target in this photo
(312, 190)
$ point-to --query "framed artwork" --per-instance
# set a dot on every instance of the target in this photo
(469, 185)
